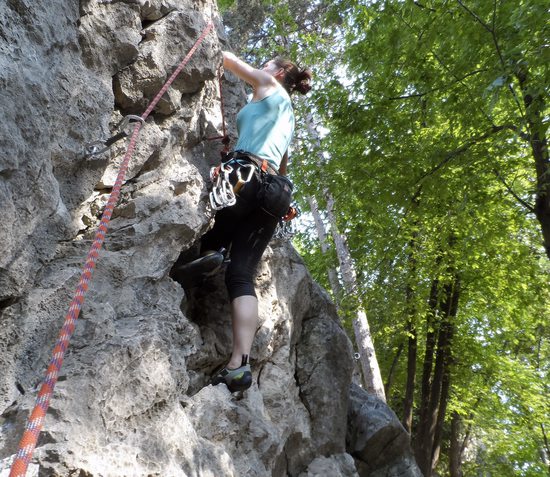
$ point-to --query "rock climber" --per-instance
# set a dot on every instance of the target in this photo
(265, 128)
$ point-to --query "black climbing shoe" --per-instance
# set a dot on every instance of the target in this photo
(235, 379)
(193, 273)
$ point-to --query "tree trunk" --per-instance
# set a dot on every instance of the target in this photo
(408, 401)
(363, 338)
(427, 368)
(445, 386)
(455, 449)
(428, 449)
(325, 247)
(545, 451)
(369, 363)
(534, 111)
(411, 377)
(391, 374)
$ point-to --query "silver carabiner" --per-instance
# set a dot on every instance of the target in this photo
(251, 169)
(126, 121)
(240, 181)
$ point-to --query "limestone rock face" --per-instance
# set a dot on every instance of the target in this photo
(133, 397)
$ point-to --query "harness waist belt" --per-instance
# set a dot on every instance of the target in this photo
(263, 164)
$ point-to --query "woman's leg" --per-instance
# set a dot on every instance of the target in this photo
(249, 243)
(221, 233)
(244, 315)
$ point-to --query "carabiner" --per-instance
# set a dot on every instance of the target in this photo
(240, 181)
(222, 194)
(99, 147)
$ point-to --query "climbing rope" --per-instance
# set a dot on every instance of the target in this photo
(36, 419)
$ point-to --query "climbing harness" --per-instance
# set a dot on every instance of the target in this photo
(242, 166)
(223, 193)
(38, 414)
(99, 147)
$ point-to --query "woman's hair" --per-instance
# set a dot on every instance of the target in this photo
(295, 78)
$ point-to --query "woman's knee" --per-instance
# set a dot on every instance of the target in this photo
(239, 283)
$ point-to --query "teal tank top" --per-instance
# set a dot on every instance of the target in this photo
(266, 127)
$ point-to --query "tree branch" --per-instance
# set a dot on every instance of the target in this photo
(528, 206)
(467, 145)
(469, 428)
(492, 31)
(418, 4)
(442, 63)
(457, 80)
(479, 20)
(468, 92)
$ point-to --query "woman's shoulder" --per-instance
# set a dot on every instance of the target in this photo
(267, 92)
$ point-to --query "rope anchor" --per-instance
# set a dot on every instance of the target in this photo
(96, 148)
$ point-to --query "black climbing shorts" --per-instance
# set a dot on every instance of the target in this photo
(275, 195)
(247, 227)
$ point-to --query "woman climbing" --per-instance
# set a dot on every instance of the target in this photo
(265, 127)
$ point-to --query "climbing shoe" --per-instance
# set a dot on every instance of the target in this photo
(193, 273)
(235, 379)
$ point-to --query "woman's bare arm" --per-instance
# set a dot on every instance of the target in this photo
(284, 164)
(260, 81)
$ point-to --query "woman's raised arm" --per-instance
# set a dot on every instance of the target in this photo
(253, 76)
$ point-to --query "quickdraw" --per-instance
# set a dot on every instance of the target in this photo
(223, 193)
(285, 228)
(99, 147)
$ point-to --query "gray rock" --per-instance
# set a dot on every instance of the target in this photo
(339, 465)
(376, 438)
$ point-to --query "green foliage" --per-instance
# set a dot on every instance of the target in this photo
(225, 5)
(428, 105)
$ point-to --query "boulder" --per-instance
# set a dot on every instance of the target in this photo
(377, 439)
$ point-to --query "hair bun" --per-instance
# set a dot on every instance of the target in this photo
(303, 81)
(295, 79)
